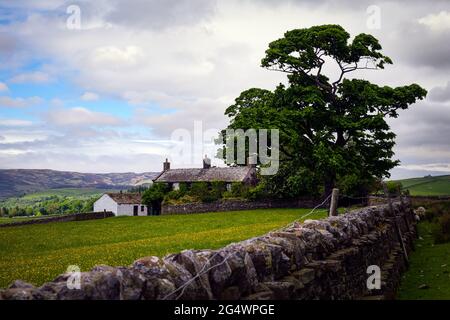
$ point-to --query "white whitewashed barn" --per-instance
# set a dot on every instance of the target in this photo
(121, 204)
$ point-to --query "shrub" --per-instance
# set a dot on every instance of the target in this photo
(154, 194)
(182, 200)
(184, 189)
(239, 190)
(218, 188)
(442, 231)
(256, 192)
(393, 187)
(173, 195)
(198, 189)
(228, 195)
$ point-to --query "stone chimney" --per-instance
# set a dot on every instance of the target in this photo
(206, 162)
(166, 165)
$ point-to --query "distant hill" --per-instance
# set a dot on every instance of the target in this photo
(17, 182)
(428, 186)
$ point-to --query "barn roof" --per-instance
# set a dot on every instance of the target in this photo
(227, 174)
(126, 198)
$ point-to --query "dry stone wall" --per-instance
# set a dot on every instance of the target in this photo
(237, 204)
(61, 218)
(325, 259)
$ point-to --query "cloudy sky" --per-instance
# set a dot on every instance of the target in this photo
(111, 89)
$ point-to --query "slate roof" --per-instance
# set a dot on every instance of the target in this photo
(126, 198)
(227, 174)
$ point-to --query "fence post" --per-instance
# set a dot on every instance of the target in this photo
(399, 191)
(334, 202)
(397, 228)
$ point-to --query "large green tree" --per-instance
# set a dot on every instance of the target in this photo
(333, 127)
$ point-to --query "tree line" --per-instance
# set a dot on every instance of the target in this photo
(51, 205)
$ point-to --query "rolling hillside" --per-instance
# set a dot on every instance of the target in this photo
(428, 186)
(17, 182)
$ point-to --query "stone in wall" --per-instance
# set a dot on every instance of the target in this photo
(237, 205)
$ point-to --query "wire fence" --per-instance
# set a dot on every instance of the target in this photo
(205, 269)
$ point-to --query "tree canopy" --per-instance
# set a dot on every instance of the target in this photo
(154, 194)
(333, 128)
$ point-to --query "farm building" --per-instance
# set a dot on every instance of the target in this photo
(122, 204)
(173, 177)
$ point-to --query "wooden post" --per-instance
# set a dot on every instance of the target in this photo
(399, 190)
(334, 202)
(397, 228)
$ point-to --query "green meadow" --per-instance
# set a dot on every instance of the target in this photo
(428, 276)
(428, 186)
(38, 253)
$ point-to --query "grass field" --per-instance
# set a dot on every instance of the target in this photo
(10, 220)
(38, 253)
(33, 198)
(428, 186)
(429, 265)
(15, 219)
(67, 192)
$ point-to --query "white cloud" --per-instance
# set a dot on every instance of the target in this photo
(89, 96)
(440, 93)
(15, 123)
(3, 87)
(20, 136)
(10, 102)
(116, 57)
(31, 77)
(436, 22)
(80, 116)
(190, 59)
(443, 167)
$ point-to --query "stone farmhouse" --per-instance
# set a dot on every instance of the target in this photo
(173, 177)
(130, 204)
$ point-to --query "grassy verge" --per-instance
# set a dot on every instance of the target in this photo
(429, 274)
(38, 253)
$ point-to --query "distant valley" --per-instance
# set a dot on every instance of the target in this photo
(18, 182)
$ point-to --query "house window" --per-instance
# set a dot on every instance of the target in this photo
(176, 186)
(142, 208)
(228, 186)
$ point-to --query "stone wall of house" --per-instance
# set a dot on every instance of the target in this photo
(323, 259)
(237, 204)
(61, 218)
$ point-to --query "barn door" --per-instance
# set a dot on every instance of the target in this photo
(135, 210)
